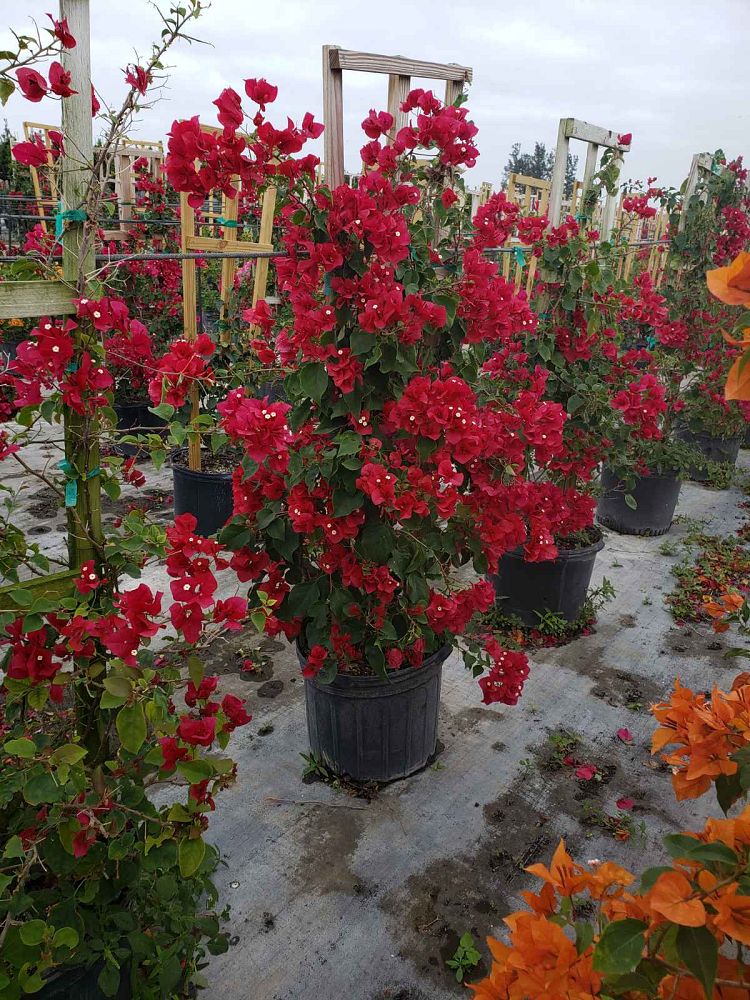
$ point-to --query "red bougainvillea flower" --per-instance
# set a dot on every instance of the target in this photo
(59, 81)
(138, 78)
(234, 709)
(624, 735)
(315, 661)
(95, 103)
(377, 124)
(172, 752)
(61, 31)
(31, 154)
(624, 803)
(625, 139)
(197, 732)
(88, 580)
(731, 284)
(32, 85)
(261, 92)
(586, 772)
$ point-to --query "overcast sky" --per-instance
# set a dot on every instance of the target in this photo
(672, 72)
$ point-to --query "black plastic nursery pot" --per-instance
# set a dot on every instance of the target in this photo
(376, 728)
(135, 417)
(82, 984)
(655, 497)
(528, 590)
(206, 495)
(714, 449)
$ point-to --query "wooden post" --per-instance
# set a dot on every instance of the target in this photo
(557, 186)
(333, 119)
(398, 89)
(81, 431)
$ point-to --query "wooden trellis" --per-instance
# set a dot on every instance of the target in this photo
(125, 157)
(44, 178)
(399, 72)
(191, 241)
(530, 193)
(595, 137)
(46, 189)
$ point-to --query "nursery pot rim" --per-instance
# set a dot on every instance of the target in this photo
(570, 555)
(394, 679)
(198, 475)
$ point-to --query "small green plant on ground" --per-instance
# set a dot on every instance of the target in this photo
(668, 548)
(621, 826)
(719, 475)
(563, 744)
(466, 957)
(552, 629)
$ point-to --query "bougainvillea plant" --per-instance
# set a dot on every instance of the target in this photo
(102, 695)
(383, 473)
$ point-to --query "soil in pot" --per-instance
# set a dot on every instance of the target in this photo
(713, 449)
(206, 494)
(134, 418)
(529, 590)
(375, 728)
(655, 498)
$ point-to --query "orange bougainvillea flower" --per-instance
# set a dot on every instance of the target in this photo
(731, 284)
(738, 379)
(564, 875)
(672, 897)
(733, 914)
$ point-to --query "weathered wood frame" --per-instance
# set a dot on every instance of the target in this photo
(43, 201)
(399, 71)
(595, 137)
(528, 186)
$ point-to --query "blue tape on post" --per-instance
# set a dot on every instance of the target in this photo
(70, 215)
(520, 259)
(221, 221)
(71, 493)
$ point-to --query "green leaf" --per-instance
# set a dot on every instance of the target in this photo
(195, 670)
(41, 788)
(349, 443)
(698, 949)
(190, 855)
(120, 687)
(313, 380)
(195, 770)
(20, 748)
(131, 727)
(109, 980)
(65, 937)
(32, 932)
(631, 501)
(163, 410)
(679, 845)
(361, 342)
(574, 403)
(6, 89)
(71, 753)
(301, 598)
(584, 936)
(620, 946)
(14, 848)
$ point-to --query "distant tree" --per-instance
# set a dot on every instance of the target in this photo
(538, 164)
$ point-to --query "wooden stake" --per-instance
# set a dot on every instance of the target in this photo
(81, 431)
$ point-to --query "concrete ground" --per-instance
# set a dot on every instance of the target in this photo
(334, 896)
